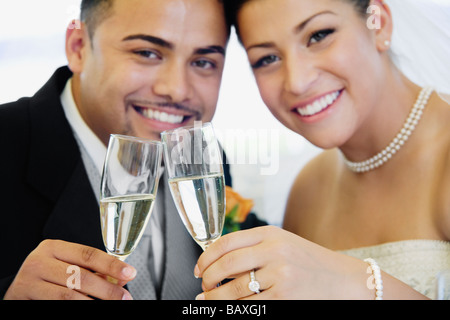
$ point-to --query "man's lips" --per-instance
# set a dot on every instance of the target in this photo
(166, 116)
(317, 105)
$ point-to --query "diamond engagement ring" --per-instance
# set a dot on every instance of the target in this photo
(253, 284)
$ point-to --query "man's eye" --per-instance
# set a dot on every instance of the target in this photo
(146, 54)
(265, 61)
(204, 64)
(318, 36)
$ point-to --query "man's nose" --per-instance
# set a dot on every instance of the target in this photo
(172, 82)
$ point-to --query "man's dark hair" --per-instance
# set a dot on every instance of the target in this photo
(93, 12)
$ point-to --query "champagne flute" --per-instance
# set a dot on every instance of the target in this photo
(193, 160)
(128, 189)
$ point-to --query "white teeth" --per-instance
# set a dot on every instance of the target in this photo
(318, 105)
(161, 116)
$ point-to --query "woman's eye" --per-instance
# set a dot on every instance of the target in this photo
(265, 61)
(318, 36)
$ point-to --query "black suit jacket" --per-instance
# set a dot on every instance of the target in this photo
(45, 192)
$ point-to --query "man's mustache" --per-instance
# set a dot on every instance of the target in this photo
(177, 106)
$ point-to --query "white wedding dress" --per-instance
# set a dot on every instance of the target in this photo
(415, 262)
(421, 50)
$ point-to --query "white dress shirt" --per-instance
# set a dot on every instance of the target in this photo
(94, 146)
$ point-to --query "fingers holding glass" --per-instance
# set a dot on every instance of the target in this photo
(251, 285)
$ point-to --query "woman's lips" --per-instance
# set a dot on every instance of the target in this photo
(318, 105)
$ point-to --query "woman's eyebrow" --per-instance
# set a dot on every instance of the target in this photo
(261, 45)
(297, 29)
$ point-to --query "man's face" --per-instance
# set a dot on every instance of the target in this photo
(152, 65)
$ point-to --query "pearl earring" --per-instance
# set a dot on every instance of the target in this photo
(387, 43)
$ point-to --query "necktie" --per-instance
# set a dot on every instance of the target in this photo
(148, 257)
(141, 288)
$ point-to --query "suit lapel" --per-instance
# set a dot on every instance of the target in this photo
(76, 216)
(53, 150)
(56, 170)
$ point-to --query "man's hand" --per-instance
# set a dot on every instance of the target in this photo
(45, 272)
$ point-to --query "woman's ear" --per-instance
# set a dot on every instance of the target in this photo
(380, 20)
(77, 40)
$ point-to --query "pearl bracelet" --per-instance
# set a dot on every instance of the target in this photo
(374, 269)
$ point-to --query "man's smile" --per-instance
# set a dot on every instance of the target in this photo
(160, 116)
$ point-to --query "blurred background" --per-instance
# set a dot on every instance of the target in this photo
(265, 157)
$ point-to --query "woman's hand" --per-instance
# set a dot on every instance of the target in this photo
(286, 267)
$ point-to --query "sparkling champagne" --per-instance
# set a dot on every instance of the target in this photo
(201, 204)
(123, 221)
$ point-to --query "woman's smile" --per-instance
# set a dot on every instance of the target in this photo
(309, 109)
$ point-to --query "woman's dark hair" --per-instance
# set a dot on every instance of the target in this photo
(360, 5)
(232, 8)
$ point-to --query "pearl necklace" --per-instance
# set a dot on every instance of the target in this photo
(409, 126)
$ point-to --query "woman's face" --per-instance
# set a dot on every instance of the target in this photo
(316, 64)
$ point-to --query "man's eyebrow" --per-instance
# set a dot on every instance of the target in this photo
(155, 40)
(163, 43)
(210, 49)
(299, 28)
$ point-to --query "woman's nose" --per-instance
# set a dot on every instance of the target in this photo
(300, 74)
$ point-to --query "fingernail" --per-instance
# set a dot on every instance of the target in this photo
(127, 296)
(129, 272)
(201, 296)
(196, 272)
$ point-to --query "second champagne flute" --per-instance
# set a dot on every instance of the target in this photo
(193, 160)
